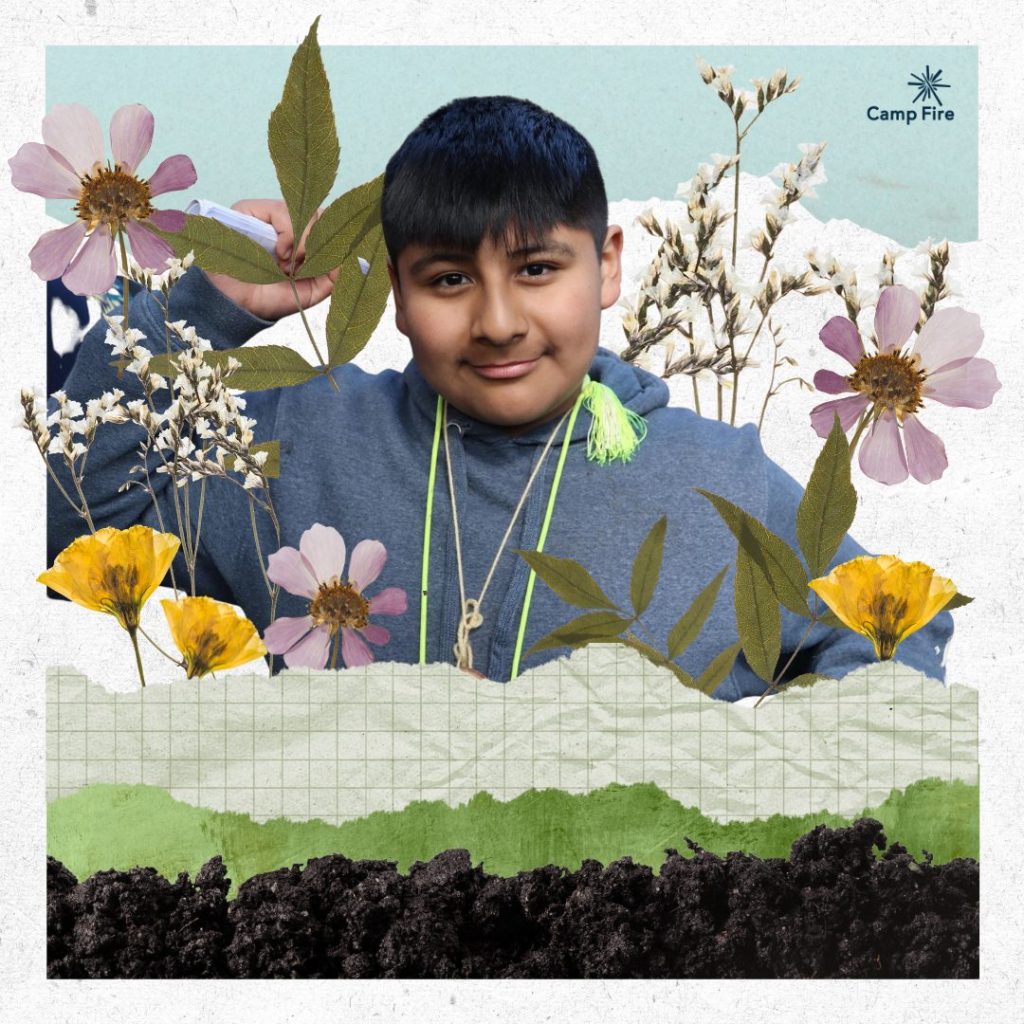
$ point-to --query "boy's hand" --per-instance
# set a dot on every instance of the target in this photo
(273, 301)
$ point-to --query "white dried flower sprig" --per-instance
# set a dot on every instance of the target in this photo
(692, 285)
(33, 419)
(840, 278)
(843, 279)
(201, 433)
(164, 281)
(58, 432)
(764, 92)
(936, 286)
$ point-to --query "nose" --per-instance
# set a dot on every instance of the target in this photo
(498, 316)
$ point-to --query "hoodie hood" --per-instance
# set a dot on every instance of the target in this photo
(638, 390)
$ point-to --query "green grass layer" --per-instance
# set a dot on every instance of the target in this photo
(116, 826)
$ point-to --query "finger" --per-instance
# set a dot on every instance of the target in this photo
(305, 234)
(281, 222)
(319, 288)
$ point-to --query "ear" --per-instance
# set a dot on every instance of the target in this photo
(400, 321)
(611, 266)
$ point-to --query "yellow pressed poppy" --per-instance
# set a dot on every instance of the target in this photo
(113, 571)
(883, 598)
(211, 635)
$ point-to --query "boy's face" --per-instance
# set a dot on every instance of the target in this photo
(540, 308)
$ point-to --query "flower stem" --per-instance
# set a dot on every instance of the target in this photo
(153, 643)
(138, 655)
(693, 379)
(865, 416)
(199, 526)
(736, 193)
(768, 393)
(125, 279)
(159, 514)
(82, 510)
(750, 123)
(735, 380)
(259, 549)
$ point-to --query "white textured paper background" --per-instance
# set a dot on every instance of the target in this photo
(976, 527)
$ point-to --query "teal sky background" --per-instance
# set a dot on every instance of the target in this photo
(645, 110)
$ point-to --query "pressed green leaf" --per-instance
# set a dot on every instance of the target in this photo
(771, 554)
(720, 666)
(647, 567)
(358, 301)
(803, 680)
(651, 654)
(956, 601)
(342, 225)
(594, 626)
(829, 503)
(688, 628)
(302, 135)
(220, 250)
(263, 367)
(568, 579)
(657, 658)
(272, 467)
(758, 617)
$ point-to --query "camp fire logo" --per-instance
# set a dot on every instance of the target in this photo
(927, 83)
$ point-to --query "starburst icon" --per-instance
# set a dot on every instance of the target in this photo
(928, 84)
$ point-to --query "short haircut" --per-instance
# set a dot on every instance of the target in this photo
(491, 166)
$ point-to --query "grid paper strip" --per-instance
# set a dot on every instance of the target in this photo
(338, 746)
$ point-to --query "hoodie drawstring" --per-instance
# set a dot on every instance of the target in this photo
(614, 435)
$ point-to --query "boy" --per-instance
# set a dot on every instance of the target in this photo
(501, 261)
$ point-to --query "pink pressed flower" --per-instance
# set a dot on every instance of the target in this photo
(336, 605)
(889, 387)
(68, 164)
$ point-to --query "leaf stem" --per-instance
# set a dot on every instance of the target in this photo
(773, 686)
(324, 368)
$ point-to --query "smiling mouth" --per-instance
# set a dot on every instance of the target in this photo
(499, 366)
(504, 370)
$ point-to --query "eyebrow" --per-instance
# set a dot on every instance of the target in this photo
(547, 246)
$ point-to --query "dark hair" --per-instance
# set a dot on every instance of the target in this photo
(486, 165)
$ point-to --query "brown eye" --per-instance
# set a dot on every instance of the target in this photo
(531, 269)
(450, 280)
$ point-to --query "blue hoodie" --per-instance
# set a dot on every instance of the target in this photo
(359, 461)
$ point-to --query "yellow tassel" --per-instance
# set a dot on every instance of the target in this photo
(615, 431)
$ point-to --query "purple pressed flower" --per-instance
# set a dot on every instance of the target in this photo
(68, 164)
(889, 387)
(337, 607)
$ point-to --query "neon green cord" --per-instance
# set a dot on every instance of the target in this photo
(544, 534)
(425, 575)
(610, 445)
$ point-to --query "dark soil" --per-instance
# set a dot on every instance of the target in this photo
(833, 910)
